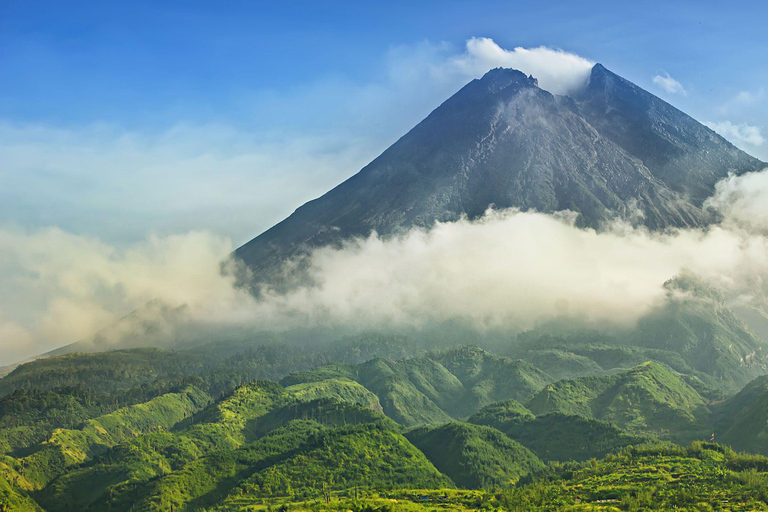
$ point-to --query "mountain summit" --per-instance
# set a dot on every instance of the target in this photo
(613, 149)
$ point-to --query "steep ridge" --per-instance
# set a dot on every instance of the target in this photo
(437, 388)
(685, 155)
(696, 323)
(555, 436)
(649, 398)
(742, 420)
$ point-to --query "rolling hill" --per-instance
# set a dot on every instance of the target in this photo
(649, 398)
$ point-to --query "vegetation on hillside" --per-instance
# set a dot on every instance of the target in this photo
(649, 398)
(335, 435)
(474, 456)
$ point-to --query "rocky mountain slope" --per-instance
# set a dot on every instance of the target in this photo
(611, 150)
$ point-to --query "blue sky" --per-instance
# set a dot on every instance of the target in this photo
(150, 63)
(141, 141)
(167, 85)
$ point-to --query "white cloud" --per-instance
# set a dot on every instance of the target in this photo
(558, 72)
(508, 270)
(743, 200)
(58, 287)
(669, 84)
(749, 97)
(740, 134)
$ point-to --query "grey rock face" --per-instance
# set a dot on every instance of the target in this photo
(612, 150)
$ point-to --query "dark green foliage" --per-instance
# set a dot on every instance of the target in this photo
(649, 398)
(26, 417)
(555, 436)
(103, 372)
(70, 447)
(502, 415)
(368, 456)
(438, 387)
(702, 476)
(742, 421)
(123, 371)
(558, 437)
(489, 378)
(474, 456)
(695, 323)
(264, 362)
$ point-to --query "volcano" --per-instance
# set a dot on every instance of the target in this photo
(611, 150)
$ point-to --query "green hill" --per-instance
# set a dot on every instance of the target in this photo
(702, 476)
(501, 415)
(555, 436)
(70, 447)
(742, 420)
(474, 456)
(104, 372)
(438, 387)
(489, 378)
(558, 437)
(14, 495)
(649, 398)
(218, 438)
(562, 364)
(166, 468)
(336, 431)
(369, 456)
(119, 471)
(229, 423)
(408, 389)
(344, 390)
(27, 417)
(695, 323)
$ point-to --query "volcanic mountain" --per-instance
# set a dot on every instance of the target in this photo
(610, 150)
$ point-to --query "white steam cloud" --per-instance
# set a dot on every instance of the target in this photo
(558, 72)
(508, 270)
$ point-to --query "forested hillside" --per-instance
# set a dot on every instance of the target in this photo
(343, 434)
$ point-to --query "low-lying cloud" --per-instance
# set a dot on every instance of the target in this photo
(508, 270)
(58, 287)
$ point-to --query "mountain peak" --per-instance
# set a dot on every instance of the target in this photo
(498, 79)
(502, 141)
